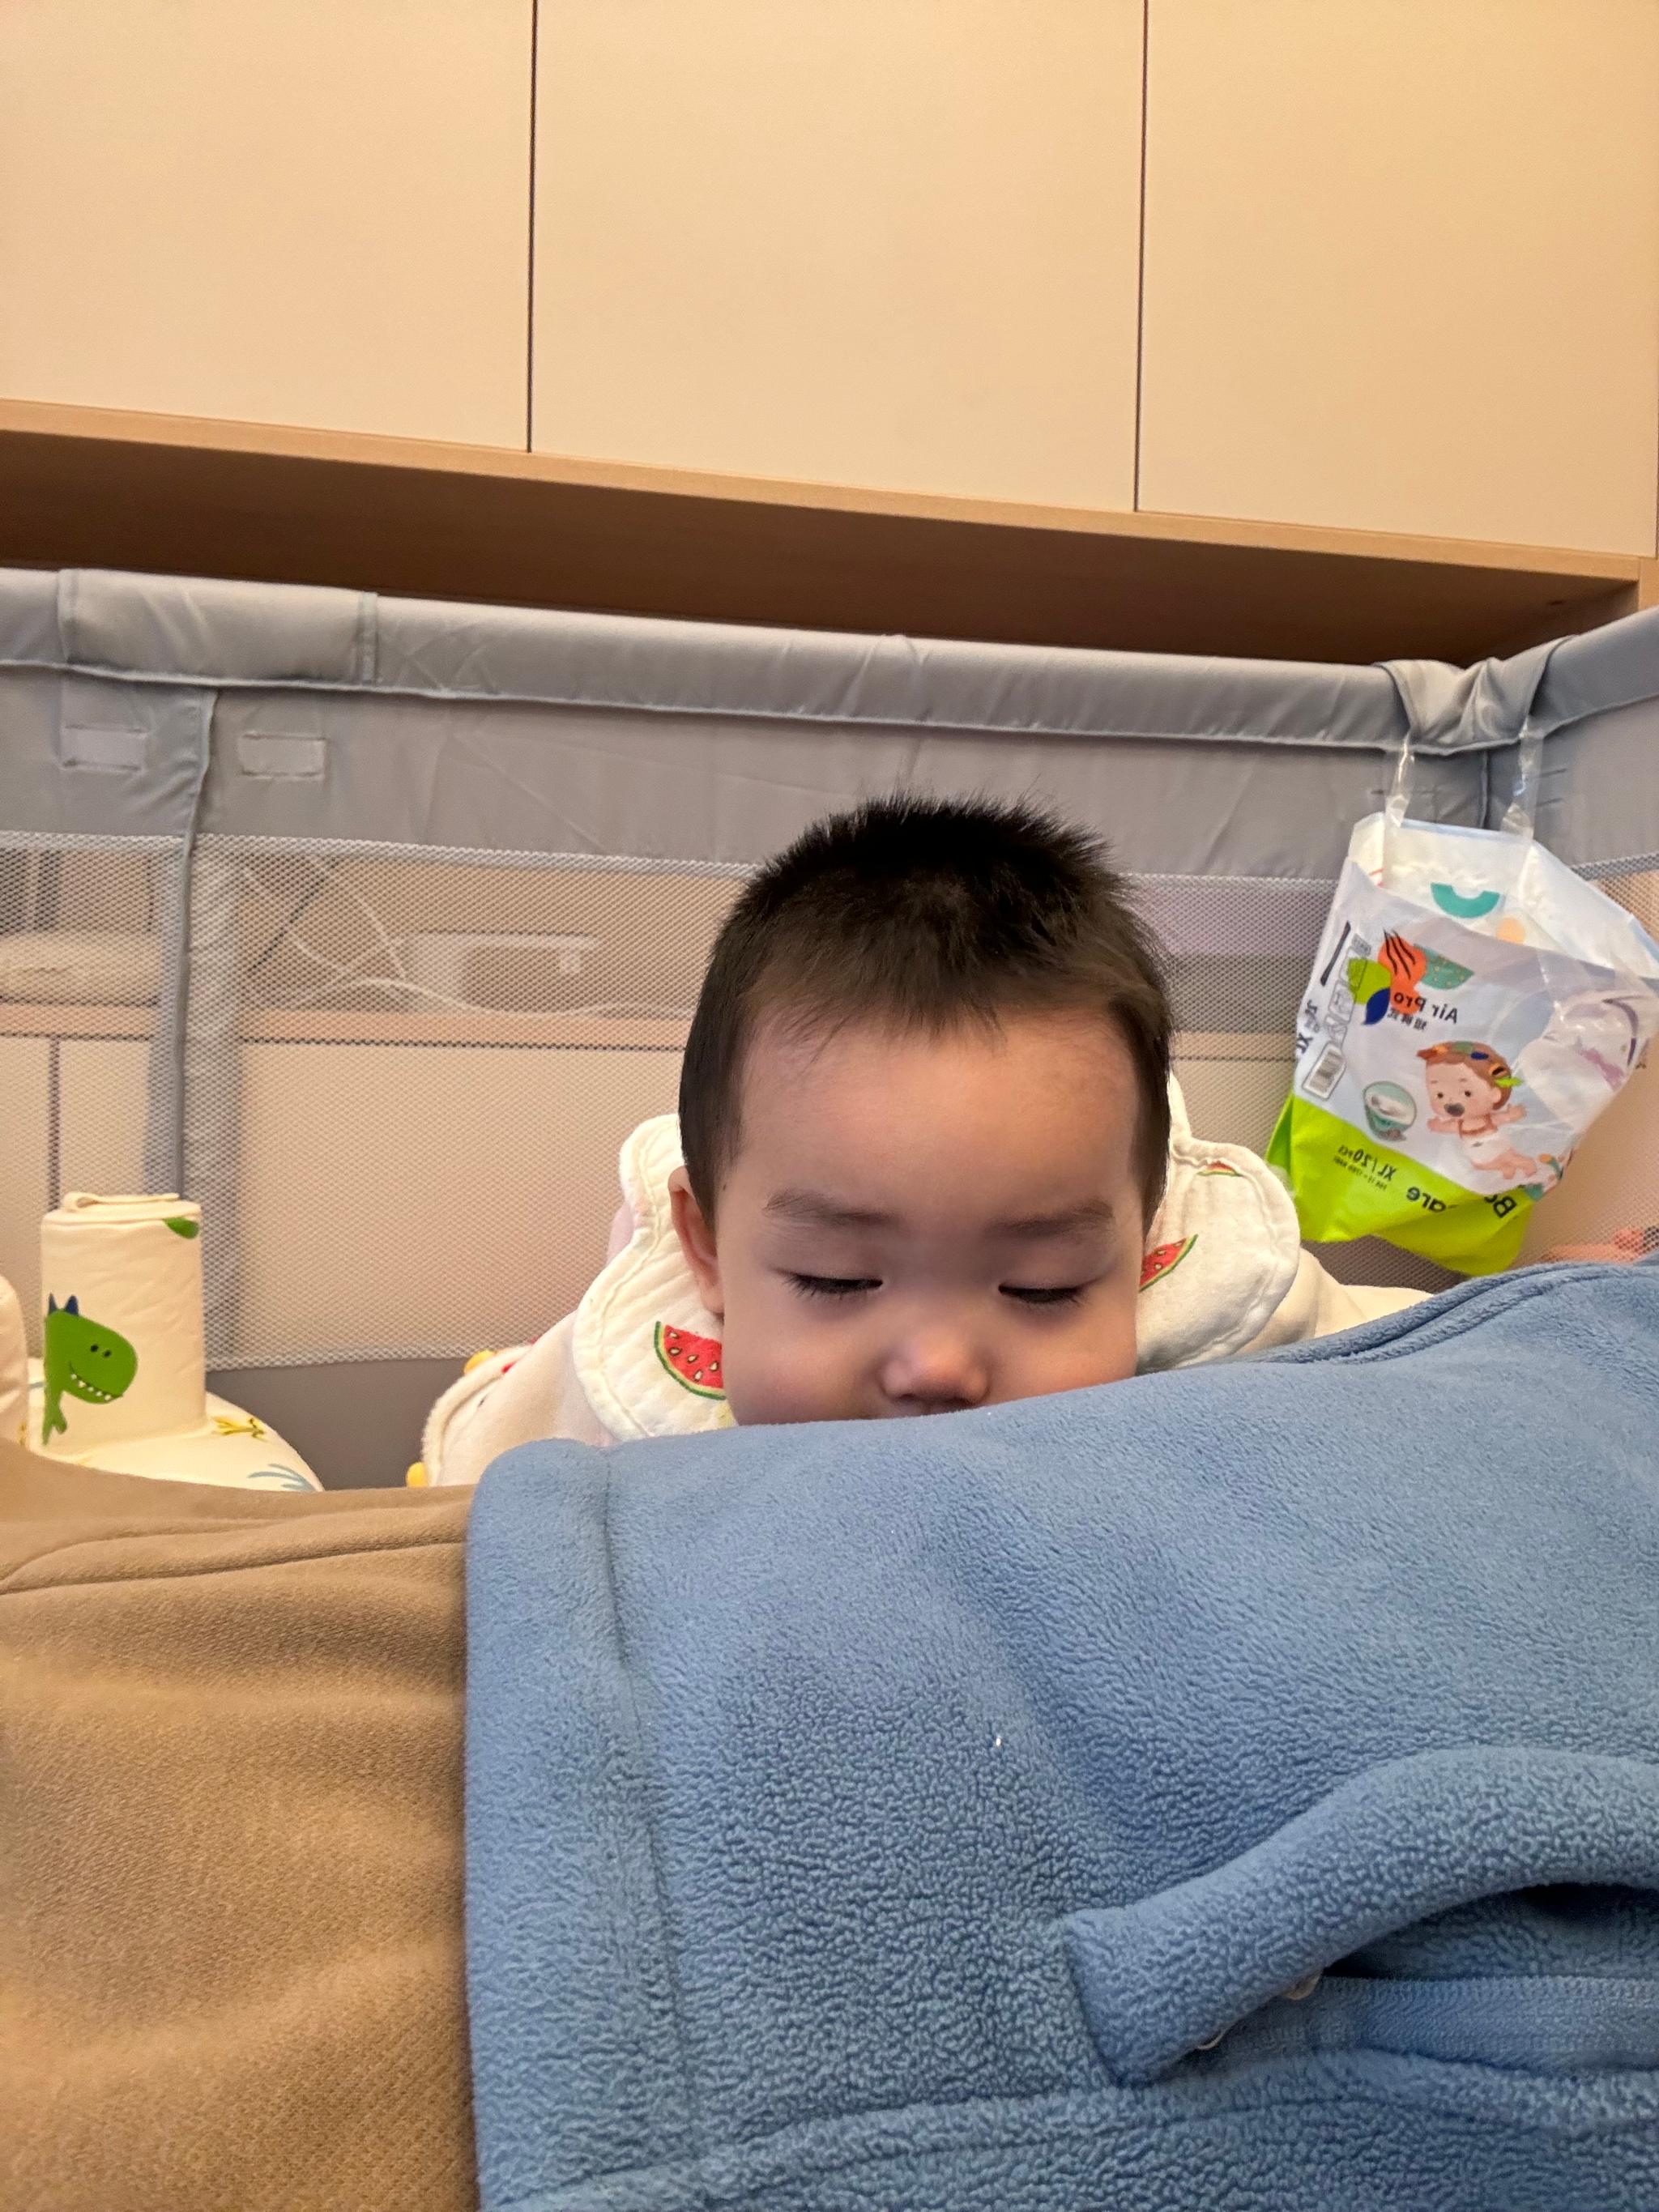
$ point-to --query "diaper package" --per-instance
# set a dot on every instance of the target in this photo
(1473, 1007)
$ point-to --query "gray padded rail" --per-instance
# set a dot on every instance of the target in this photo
(137, 705)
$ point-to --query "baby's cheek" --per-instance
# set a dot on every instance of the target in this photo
(1122, 1357)
(780, 1382)
(775, 1368)
(1103, 1351)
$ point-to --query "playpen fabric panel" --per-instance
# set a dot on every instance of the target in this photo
(399, 909)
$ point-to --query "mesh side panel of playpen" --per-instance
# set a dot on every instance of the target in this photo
(1609, 1207)
(90, 998)
(397, 1078)
(410, 1070)
(409, 1074)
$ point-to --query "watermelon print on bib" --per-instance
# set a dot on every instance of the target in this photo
(1164, 1258)
(693, 1361)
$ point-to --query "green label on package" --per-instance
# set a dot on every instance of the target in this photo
(1349, 1185)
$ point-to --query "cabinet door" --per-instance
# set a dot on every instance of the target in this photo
(315, 212)
(25, 1192)
(881, 242)
(374, 1216)
(1402, 266)
(103, 1100)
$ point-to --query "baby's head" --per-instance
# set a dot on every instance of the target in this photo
(1466, 1081)
(925, 1115)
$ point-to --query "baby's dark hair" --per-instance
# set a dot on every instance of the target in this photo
(926, 914)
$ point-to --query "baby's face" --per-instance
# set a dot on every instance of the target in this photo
(1460, 1094)
(919, 1224)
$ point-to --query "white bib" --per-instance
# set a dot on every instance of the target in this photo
(1222, 1256)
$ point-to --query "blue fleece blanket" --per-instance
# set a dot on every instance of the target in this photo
(951, 1814)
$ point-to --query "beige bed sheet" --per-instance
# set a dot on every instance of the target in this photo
(230, 1848)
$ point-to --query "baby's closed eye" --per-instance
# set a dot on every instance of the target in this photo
(850, 1287)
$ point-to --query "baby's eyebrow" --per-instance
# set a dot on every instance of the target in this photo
(817, 1210)
(1089, 1213)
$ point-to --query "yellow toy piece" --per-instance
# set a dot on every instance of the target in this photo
(225, 1427)
(476, 1360)
(415, 1479)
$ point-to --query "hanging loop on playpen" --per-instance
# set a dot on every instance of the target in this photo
(1399, 791)
(1521, 814)
(1398, 802)
(1477, 707)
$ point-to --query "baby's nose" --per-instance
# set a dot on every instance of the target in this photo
(935, 1370)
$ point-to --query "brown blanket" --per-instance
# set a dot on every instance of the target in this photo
(230, 1848)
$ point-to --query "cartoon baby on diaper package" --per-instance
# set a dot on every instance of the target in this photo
(1471, 1090)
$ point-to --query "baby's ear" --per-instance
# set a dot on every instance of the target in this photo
(697, 1241)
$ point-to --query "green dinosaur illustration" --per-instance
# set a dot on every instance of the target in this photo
(83, 1358)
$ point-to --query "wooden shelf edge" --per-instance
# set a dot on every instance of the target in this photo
(327, 1026)
(28, 1018)
(82, 487)
(357, 449)
(636, 1033)
(573, 1032)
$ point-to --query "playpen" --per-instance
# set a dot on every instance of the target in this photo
(374, 925)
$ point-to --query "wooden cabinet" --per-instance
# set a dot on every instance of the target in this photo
(73, 1081)
(25, 1168)
(1402, 266)
(892, 243)
(760, 283)
(103, 1095)
(315, 212)
(493, 1241)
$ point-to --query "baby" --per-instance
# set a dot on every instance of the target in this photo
(926, 1129)
(924, 1113)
